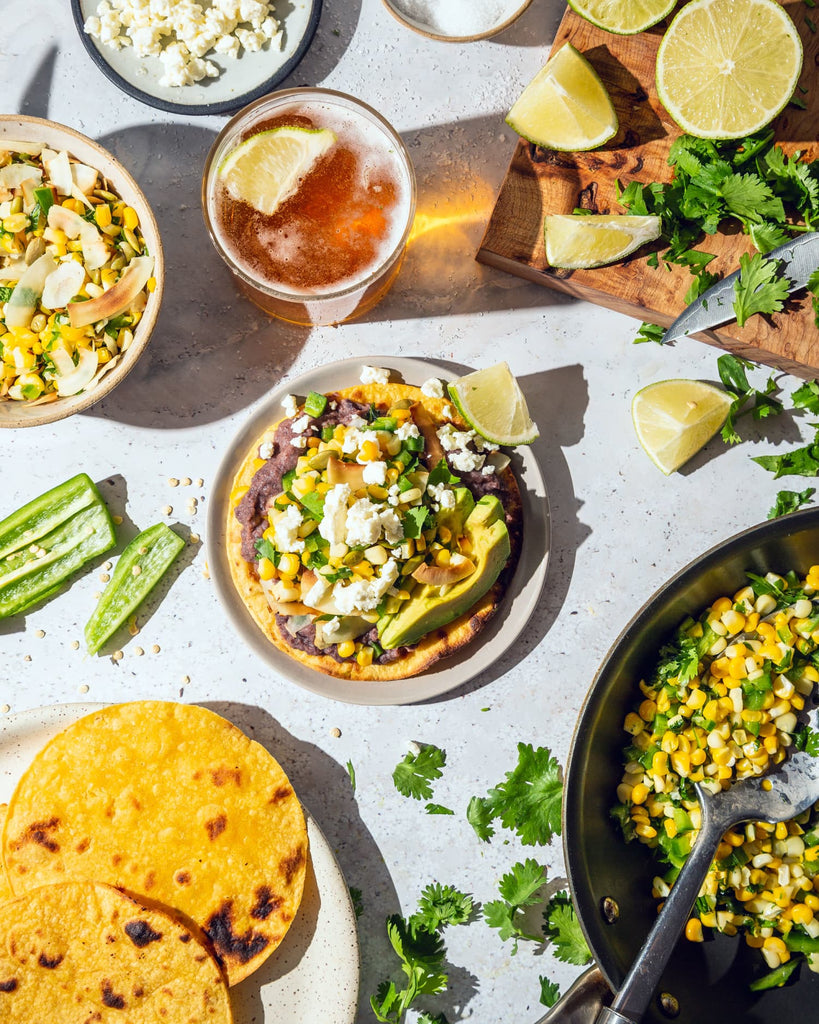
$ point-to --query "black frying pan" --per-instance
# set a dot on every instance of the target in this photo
(611, 880)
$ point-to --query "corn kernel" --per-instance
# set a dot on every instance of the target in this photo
(369, 451)
(639, 793)
(633, 723)
(130, 218)
(647, 710)
(364, 657)
(646, 831)
(289, 564)
(693, 930)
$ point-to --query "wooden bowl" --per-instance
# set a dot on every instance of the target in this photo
(35, 129)
(430, 33)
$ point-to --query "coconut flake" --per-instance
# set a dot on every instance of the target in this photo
(81, 375)
(63, 284)
(23, 300)
(59, 171)
(117, 299)
(13, 175)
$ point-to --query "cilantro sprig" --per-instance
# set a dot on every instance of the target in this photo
(415, 773)
(746, 397)
(789, 501)
(528, 801)
(760, 287)
(562, 928)
(519, 889)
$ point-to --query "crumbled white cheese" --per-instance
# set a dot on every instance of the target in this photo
(332, 627)
(488, 469)
(332, 406)
(300, 425)
(375, 473)
(300, 441)
(446, 499)
(357, 422)
(406, 430)
(448, 412)
(374, 375)
(452, 439)
(353, 440)
(316, 592)
(433, 388)
(266, 450)
(286, 531)
(290, 404)
(334, 522)
(182, 32)
(364, 595)
(465, 461)
(392, 526)
(363, 524)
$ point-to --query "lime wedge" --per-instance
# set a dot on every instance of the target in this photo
(267, 168)
(623, 18)
(565, 106)
(577, 242)
(674, 419)
(724, 73)
(492, 404)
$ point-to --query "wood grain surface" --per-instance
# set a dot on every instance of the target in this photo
(543, 181)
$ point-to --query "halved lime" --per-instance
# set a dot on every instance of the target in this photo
(623, 17)
(565, 106)
(725, 69)
(577, 242)
(267, 168)
(492, 404)
(674, 419)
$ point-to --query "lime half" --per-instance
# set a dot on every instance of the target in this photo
(724, 69)
(623, 17)
(674, 419)
(565, 106)
(578, 242)
(492, 404)
(267, 168)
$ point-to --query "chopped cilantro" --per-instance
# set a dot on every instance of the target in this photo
(807, 395)
(807, 739)
(438, 809)
(441, 475)
(732, 372)
(413, 521)
(562, 928)
(351, 773)
(797, 462)
(650, 332)
(413, 775)
(287, 479)
(519, 889)
(313, 505)
(264, 549)
(527, 801)
(790, 501)
(440, 905)
(549, 991)
(760, 288)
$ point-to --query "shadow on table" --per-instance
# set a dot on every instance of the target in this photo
(324, 787)
(537, 26)
(558, 397)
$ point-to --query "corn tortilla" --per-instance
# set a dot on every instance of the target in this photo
(173, 803)
(439, 643)
(81, 952)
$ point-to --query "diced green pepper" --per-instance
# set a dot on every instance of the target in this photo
(45, 198)
(777, 977)
(315, 404)
(48, 539)
(30, 576)
(383, 423)
(140, 567)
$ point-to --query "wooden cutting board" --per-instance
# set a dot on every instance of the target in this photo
(544, 181)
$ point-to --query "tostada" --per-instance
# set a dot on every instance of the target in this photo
(370, 532)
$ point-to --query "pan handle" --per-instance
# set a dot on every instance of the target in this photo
(582, 1002)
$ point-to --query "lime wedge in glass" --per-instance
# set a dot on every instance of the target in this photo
(578, 242)
(492, 404)
(565, 106)
(623, 17)
(674, 419)
(724, 70)
(267, 168)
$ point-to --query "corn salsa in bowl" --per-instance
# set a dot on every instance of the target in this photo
(81, 271)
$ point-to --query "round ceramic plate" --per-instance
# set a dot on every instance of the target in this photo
(502, 630)
(243, 80)
(314, 973)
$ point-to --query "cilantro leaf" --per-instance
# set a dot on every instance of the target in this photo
(313, 505)
(441, 905)
(807, 739)
(732, 373)
(650, 332)
(798, 462)
(426, 1018)
(479, 815)
(441, 474)
(790, 501)
(518, 890)
(413, 521)
(265, 549)
(413, 775)
(351, 773)
(562, 928)
(760, 288)
(807, 397)
(549, 991)
(529, 799)
(438, 809)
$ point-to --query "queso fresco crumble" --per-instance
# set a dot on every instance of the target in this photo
(182, 32)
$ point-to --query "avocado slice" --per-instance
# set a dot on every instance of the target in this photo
(427, 609)
(454, 518)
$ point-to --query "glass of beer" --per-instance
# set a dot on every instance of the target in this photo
(333, 247)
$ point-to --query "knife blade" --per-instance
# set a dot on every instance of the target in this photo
(799, 259)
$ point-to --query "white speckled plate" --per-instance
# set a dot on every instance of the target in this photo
(243, 80)
(313, 976)
(497, 637)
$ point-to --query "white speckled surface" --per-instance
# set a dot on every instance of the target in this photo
(619, 528)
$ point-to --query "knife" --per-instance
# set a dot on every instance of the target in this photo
(799, 259)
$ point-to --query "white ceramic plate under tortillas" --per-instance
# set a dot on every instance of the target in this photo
(313, 975)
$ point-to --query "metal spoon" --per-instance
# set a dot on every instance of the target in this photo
(794, 788)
